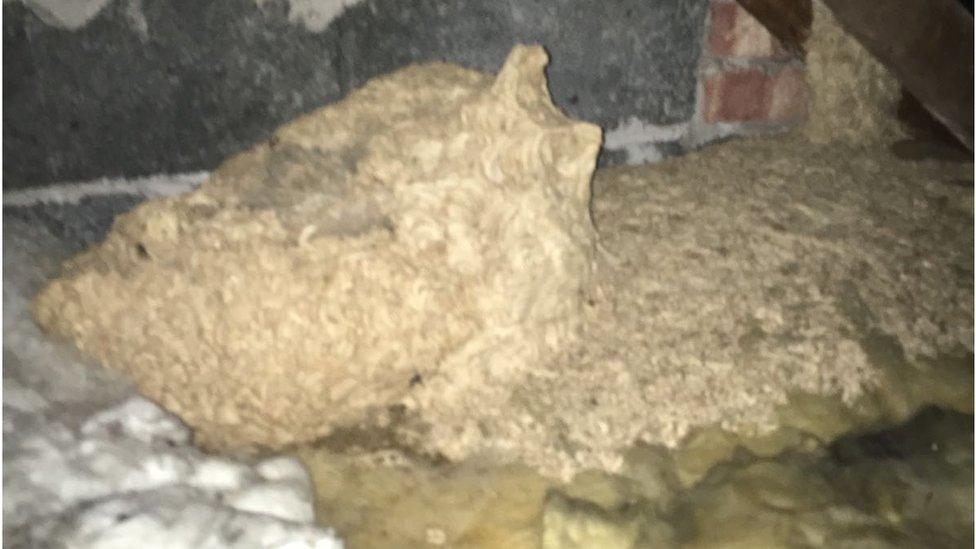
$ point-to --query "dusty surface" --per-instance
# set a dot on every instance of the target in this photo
(737, 276)
(432, 227)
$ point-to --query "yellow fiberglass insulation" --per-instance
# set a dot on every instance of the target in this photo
(433, 225)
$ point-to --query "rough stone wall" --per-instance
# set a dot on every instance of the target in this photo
(433, 226)
(153, 87)
(148, 86)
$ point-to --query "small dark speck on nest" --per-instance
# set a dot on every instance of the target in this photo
(416, 379)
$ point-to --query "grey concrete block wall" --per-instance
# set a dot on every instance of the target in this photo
(151, 86)
(205, 80)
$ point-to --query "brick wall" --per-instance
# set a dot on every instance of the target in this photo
(749, 83)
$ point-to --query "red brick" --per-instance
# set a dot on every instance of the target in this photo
(735, 34)
(751, 95)
(721, 35)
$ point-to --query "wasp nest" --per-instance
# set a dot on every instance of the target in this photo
(434, 224)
